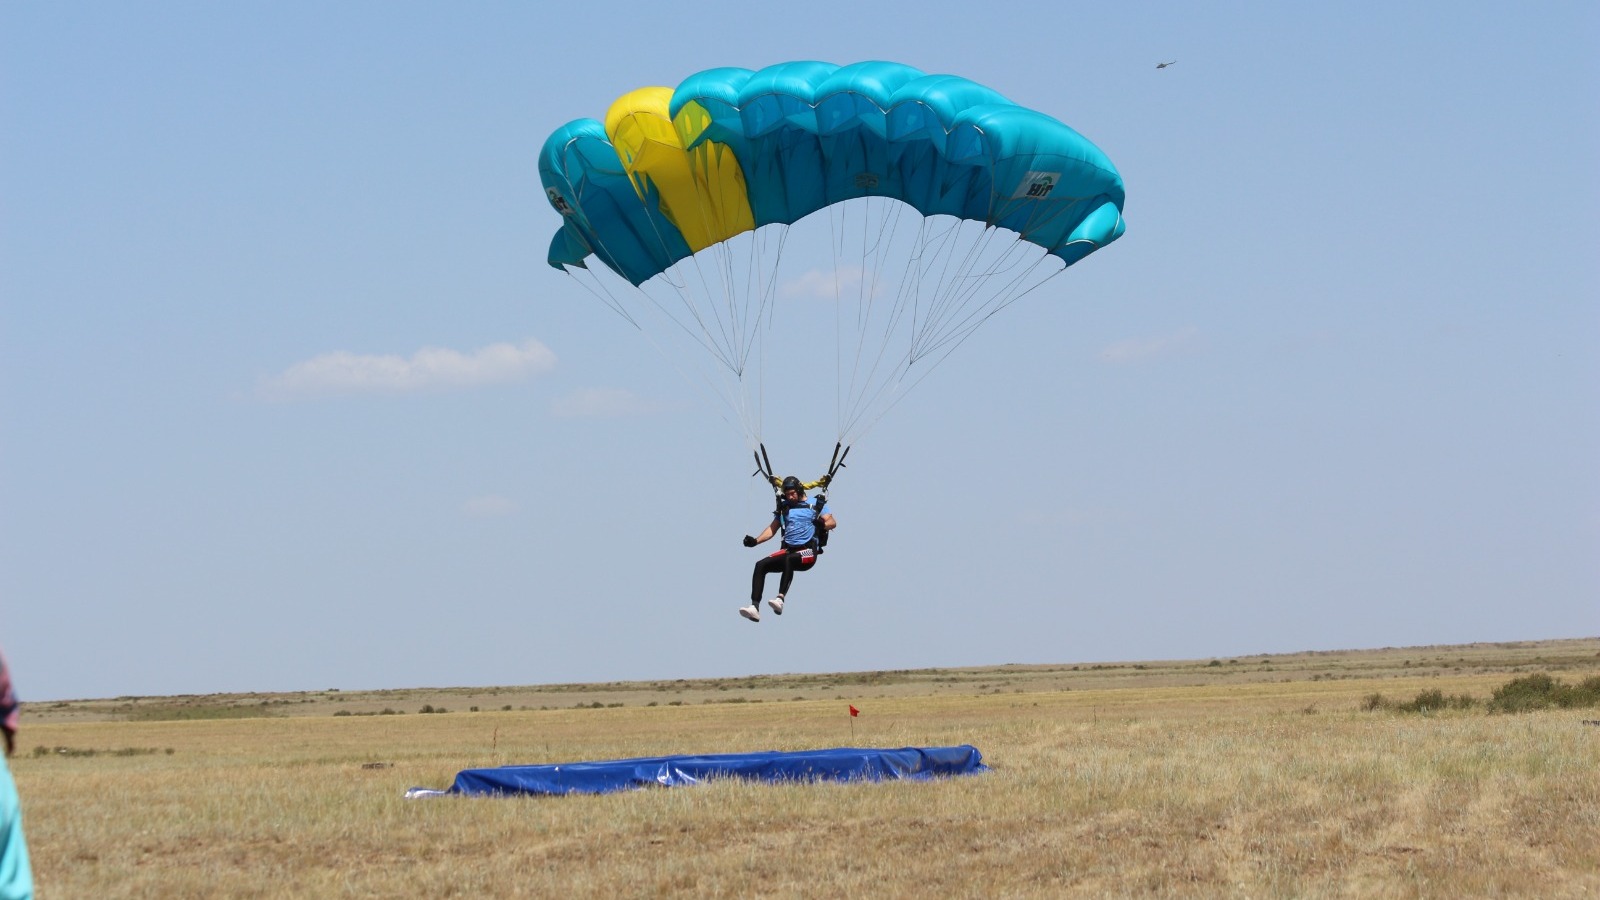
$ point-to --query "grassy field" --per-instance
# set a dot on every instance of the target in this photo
(1251, 776)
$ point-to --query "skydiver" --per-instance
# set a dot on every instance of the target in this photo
(798, 521)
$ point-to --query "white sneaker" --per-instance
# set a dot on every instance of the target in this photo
(751, 612)
(777, 605)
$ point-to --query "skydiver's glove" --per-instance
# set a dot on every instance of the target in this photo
(750, 541)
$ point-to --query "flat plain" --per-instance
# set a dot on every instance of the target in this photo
(1259, 776)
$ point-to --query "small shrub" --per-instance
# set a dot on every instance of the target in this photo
(1524, 694)
(1435, 700)
(1541, 691)
(1425, 702)
(90, 751)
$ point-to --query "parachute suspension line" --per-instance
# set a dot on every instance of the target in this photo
(986, 281)
(866, 277)
(933, 243)
(947, 293)
(666, 276)
(1008, 294)
(598, 289)
(946, 238)
(730, 397)
(877, 242)
(928, 369)
(720, 334)
(747, 313)
(746, 341)
(874, 246)
(679, 281)
(688, 296)
(727, 398)
(726, 392)
(720, 258)
(730, 291)
(839, 224)
(721, 253)
(702, 336)
(772, 270)
(866, 395)
(972, 296)
(952, 295)
(870, 386)
(760, 399)
(760, 287)
(835, 246)
(761, 322)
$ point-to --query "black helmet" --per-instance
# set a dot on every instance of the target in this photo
(792, 483)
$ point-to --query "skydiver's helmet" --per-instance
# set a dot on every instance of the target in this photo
(792, 483)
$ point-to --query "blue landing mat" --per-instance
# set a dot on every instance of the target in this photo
(838, 764)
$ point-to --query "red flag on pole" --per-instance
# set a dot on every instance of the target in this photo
(854, 712)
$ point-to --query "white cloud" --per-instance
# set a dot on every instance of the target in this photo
(601, 403)
(488, 506)
(817, 284)
(430, 368)
(1135, 350)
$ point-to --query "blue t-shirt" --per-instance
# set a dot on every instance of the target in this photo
(800, 525)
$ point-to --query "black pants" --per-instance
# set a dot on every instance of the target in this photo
(789, 560)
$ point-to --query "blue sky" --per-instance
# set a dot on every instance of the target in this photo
(290, 400)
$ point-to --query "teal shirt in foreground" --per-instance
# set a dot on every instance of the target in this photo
(16, 876)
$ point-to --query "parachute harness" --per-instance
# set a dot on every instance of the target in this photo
(819, 538)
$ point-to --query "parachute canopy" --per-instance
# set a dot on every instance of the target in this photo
(889, 213)
(672, 171)
(837, 764)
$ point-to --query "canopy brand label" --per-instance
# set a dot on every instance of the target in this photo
(1036, 185)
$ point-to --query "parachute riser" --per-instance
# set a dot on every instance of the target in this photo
(764, 470)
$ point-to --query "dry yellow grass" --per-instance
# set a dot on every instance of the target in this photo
(1180, 779)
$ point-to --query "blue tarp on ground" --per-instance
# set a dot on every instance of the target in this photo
(837, 764)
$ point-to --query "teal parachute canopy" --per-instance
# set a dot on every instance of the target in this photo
(671, 171)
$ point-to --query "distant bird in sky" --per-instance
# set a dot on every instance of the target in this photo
(1165, 64)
